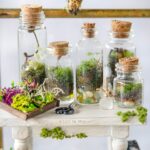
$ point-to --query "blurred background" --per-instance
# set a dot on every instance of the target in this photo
(69, 29)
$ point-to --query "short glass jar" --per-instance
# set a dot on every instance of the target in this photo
(89, 67)
(120, 45)
(128, 86)
(59, 70)
(31, 36)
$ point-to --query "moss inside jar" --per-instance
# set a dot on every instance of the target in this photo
(34, 71)
(59, 70)
(89, 78)
(113, 58)
(130, 94)
(62, 77)
(128, 85)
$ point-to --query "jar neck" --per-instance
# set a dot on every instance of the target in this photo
(32, 21)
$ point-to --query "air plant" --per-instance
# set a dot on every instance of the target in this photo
(73, 6)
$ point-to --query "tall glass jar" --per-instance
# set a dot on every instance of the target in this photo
(59, 70)
(120, 45)
(128, 85)
(89, 67)
(31, 35)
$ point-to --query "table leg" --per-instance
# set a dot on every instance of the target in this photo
(21, 138)
(1, 138)
(119, 137)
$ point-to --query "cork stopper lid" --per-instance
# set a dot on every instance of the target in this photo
(60, 48)
(89, 25)
(121, 28)
(31, 8)
(129, 64)
(31, 15)
(89, 29)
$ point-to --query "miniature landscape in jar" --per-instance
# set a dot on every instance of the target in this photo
(60, 74)
(32, 69)
(120, 40)
(89, 72)
(128, 86)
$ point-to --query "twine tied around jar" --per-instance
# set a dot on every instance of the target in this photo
(121, 29)
(59, 48)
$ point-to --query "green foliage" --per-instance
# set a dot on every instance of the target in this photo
(1, 95)
(140, 112)
(114, 56)
(43, 99)
(34, 71)
(63, 77)
(58, 134)
(23, 103)
(128, 87)
(90, 71)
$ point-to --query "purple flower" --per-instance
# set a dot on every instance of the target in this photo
(8, 94)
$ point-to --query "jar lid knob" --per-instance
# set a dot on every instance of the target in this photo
(31, 8)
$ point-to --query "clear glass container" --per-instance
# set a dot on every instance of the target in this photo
(128, 86)
(89, 67)
(119, 45)
(31, 36)
(59, 70)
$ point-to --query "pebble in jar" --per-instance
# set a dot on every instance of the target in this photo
(128, 85)
(59, 70)
(89, 66)
(120, 45)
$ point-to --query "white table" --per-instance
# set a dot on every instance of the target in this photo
(92, 120)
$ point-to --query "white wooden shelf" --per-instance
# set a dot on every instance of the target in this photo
(86, 115)
(92, 120)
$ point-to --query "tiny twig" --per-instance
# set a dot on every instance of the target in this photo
(37, 41)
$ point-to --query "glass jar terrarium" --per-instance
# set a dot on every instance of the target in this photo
(89, 67)
(120, 45)
(31, 36)
(59, 70)
(128, 85)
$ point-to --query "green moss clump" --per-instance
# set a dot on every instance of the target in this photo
(129, 91)
(23, 103)
(113, 58)
(34, 71)
(58, 134)
(90, 73)
(63, 78)
(140, 112)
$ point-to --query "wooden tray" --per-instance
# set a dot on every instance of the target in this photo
(26, 116)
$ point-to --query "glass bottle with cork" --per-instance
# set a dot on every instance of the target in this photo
(120, 45)
(128, 85)
(31, 36)
(59, 70)
(89, 67)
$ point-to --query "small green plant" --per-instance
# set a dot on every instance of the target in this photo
(23, 103)
(140, 112)
(11, 148)
(62, 77)
(90, 72)
(129, 92)
(114, 56)
(58, 134)
(34, 71)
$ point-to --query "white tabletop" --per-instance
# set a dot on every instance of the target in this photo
(85, 116)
